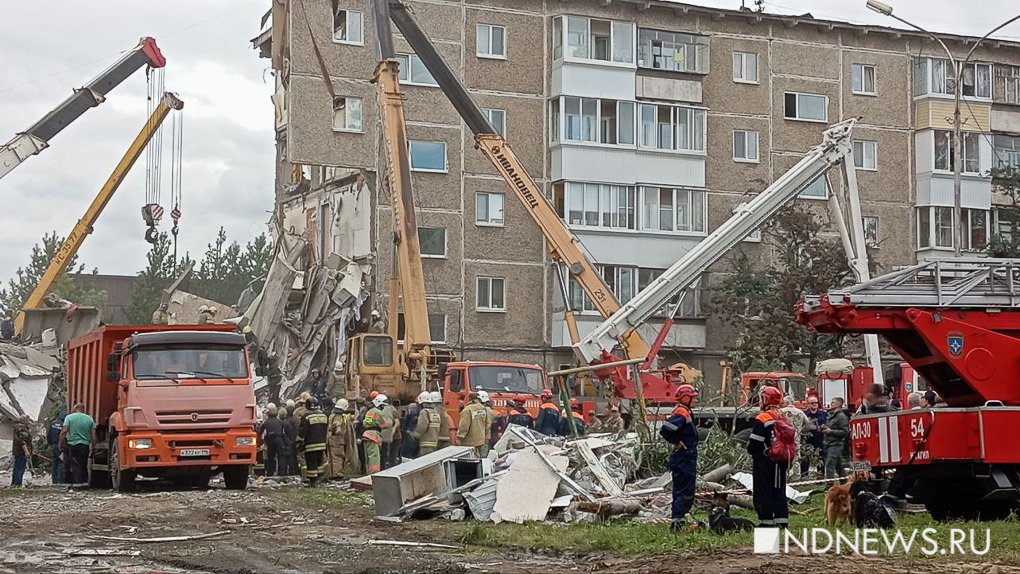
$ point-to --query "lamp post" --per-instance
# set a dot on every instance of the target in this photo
(886, 10)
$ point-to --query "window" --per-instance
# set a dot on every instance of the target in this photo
(437, 327)
(935, 227)
(491, 41)
(1006, 150)
(413, 70)
(580, 115)
(668, 209)
(672, 127)
(593, 120)
(672, 51)
(810, 107)
(347, 26)
(590, 39)
(600, 205)
(347, 114)
(975, 229)
(745, 67)
(1011, 84)
(490, 294)
(864, 155)
(497, 119)
(870, 231)
(427, 156)
(432, 241)
(622, 281)
(944, 154)
(488, 208)
(862, 79)
(745, 145)
(1003, 226)
(818, 188)
(937, 76)
(977, 80)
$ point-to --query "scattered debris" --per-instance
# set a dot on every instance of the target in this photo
(412, 544)
(97, 552)
(162, 538)
(529, 488)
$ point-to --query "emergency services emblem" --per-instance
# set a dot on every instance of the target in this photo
(954, 340)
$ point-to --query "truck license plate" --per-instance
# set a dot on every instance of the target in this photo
(194, 452)
(860, 465)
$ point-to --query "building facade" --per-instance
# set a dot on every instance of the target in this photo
(646, 122)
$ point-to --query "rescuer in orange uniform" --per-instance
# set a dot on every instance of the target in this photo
(769, 475)
(680, 431)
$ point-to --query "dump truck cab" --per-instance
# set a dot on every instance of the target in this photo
(503, 381)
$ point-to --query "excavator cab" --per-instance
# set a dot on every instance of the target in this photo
(372, 364)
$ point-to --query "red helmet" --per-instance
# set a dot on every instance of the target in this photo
(520, 399)
(684, 394)
(546, 394)
(373, 395)
(771, 397)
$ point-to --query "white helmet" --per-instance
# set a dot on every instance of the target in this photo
(374, 313)
(423, 397)
(343, 404)
(380, 400)
(436, 398)
(483, 396)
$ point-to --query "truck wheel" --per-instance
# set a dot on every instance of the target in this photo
(235, 477)
(123, 480)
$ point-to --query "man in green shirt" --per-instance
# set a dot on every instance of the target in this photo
(77, 437)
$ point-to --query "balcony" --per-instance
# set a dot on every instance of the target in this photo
(583, 161)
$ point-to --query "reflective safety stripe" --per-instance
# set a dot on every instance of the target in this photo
(769, 423)
(427, 444)
(782, 521)
(756, 437)
(669, 425)
(767, 522)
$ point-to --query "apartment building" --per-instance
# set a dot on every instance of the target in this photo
(646, 122)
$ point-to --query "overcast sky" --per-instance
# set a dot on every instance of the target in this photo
(227, 178)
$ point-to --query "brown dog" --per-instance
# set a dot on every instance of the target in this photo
(838, 507)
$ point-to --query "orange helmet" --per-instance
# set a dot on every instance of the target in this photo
(684, 394)
(520, 399)
(771, 397)
(546, 394)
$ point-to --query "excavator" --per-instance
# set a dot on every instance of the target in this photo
(83, 227)
(37, 137)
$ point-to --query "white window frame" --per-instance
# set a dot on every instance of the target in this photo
(797, 118)
(491, 28)
(489, 282)
(691, 196)
(410, 156)
(932, 240)
(348, 107)
(746, 136)
(823, 197)
(947, 135)
(490, 221)
(924, 70)
(441, 319)
(741, 67)
(870, 239)
(862, 155)
(968, 231)
(605, 205)
(562, 36)
(1006, 156)
(347, 24)
(421, 243)
(560, 119)
(695, 140)
(489, 113)
(695, 50)
(864, 68)
(406, 66)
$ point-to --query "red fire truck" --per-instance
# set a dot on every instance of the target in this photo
(957, 323)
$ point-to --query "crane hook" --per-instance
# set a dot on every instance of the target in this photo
(150, 234)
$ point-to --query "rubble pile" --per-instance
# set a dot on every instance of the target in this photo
(29, 377)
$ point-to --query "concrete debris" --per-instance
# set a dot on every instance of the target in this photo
(29, 375)
(529, 487)
(185, 308)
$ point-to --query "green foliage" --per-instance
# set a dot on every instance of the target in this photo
(226, 269)
(759, 297)
(148, 288)
(1006, 182)
(19, 288)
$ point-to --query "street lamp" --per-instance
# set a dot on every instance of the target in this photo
(886, 10)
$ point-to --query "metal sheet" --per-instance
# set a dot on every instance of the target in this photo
(394, 487)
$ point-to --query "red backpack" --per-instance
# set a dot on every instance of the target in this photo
(784, 440)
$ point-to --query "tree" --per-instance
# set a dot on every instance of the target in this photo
(1006, 182)
(226, 270)
(19, 288)
(159, 273)
(758, 299)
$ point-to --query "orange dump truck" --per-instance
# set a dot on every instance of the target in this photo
(170, 401)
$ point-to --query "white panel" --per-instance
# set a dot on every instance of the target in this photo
(1005, 120)
(894, 438)
(593, 80)
(883, 441)
(984, 153)
(669, 89)
(654, 251)
(687, 335)
(924, 189)
(628, 166)
(937, 189)
(924, 151)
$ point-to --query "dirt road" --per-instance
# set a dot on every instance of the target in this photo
(296, 529)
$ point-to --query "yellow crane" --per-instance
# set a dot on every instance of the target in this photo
(83, 227)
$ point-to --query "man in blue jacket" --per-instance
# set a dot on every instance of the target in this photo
(680, 431)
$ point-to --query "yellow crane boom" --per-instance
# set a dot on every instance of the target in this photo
(83, 227)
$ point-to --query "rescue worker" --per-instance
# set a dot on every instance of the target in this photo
(375, 423)
(548, 421)
(409, 446)
(490, 428)
(271, 435)
(296, 415)
(680, 431)
(375, 324)
(474, 424)
(21, 448)
(312, 439)
(599, 424)
(447, 432)
(769, 475)
(160, 316)
(575, 412)
(614, 422)
(519, 415)
(390, 450)
(835, 433)
(287, 462)
(341, 447)
(53, 440)
(428, 430)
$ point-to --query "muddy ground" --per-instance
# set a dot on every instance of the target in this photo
(295, 529)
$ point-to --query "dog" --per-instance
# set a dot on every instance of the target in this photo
(869, 510)
(720, 521)
(839, 504)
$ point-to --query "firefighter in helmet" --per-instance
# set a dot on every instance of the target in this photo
(769, 474)
(680, 431)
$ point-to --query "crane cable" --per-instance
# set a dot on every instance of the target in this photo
(151, 211)
(176, 163)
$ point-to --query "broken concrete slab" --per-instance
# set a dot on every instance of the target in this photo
(529, 487)
(183, 308)
(607, 482)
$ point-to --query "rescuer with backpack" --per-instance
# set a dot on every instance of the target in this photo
(680, 431)
(772, 446)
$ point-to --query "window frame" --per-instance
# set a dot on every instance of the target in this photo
(490, 55)
(864, 80)
(798, 95)
(950, 157)
(403, 59)
(611, 210)
(478, 289)
(823, 197)
(694, 136)
(924, 73)
(870, 240)
(421, 243)
(1011, 154)
(487, 112)
(968, 229)
(346, 129)
(697, 218)
(1010, 85)
(864, 155)
(743, 67)
(347, 22)
(563, 53)
(931, 221)
(757, 152)
(702, 51)
(560, 119)
(410, 157)
(432, 337)
(488, 221)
